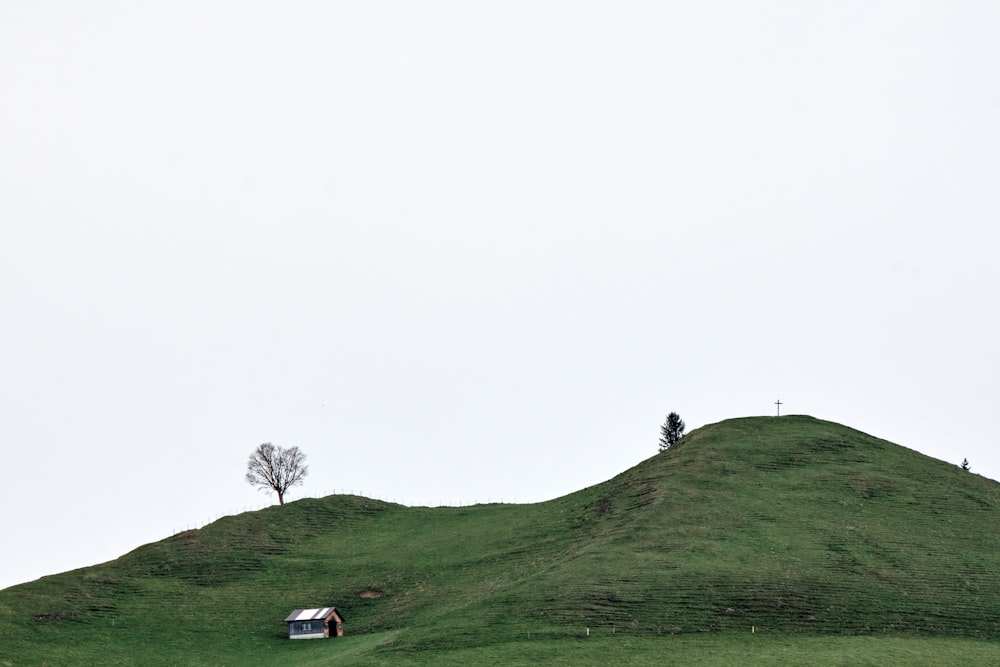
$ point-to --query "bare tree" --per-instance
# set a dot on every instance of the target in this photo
(276, 468)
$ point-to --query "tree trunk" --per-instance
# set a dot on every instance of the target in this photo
(281, 498)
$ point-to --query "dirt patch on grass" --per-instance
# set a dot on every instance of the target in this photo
(48, 617)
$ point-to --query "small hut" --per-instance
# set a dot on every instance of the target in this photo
(315, 623)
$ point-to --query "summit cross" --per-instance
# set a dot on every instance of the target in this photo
(778, 403)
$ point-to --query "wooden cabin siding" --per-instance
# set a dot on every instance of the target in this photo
(311, 628)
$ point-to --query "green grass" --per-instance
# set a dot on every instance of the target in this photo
(838, 548)
(717, 650)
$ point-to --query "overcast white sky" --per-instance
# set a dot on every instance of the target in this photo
(462, 252)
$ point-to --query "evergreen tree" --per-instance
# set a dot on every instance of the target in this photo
(965, 465)
(671, 431)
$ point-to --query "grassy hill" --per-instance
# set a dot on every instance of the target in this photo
(828, 542)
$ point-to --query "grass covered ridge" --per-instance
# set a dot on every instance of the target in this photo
(795, 526)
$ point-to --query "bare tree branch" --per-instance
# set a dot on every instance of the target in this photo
(276, 468)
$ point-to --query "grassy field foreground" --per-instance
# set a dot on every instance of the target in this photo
(713, 650)
(839, 548)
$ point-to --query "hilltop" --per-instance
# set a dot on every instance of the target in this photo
(794, 526)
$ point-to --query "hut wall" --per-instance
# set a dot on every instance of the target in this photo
(305, 629)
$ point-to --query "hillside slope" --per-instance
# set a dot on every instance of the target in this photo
(792, 525)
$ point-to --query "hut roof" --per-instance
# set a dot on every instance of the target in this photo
(311, 614)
